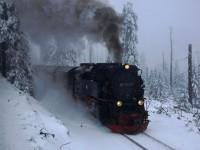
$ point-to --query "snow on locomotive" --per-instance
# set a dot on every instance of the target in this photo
(113, 92)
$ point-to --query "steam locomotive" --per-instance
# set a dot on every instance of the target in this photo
(114, 93)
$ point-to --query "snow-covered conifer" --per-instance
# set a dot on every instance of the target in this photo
(18, 68)
(195, 84)
(129, 36)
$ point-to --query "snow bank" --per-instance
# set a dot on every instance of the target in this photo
(175, 127)
(25, 125)
(190, 117)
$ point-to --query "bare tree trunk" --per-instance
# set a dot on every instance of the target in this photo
(90, 54)
(190, 88)
(171, 59)
(3, 48)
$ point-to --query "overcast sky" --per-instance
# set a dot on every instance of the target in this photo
(155, 17)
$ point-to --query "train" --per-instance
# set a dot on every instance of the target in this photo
(113, 93)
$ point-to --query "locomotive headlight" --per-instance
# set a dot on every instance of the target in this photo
(127, 67)
(141, 102)
(119, 103)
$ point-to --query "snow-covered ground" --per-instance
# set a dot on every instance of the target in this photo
(177, 128)
(22, 118)
(23, 123)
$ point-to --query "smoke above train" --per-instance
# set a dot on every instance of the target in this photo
(72, 19)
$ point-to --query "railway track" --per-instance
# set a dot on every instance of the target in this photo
(133, 141)
(145, 141)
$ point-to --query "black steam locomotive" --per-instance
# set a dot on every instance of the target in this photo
(113, 92)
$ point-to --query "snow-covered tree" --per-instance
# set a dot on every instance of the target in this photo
(129, 34)
(18, 67)
(60, 57)
(156, 85)
(180, 88)
(196, 84)
(198, 80)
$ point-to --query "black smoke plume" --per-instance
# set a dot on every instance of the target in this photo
(69, 20)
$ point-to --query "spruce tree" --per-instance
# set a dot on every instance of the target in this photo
(129, 36)
(15, 48)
